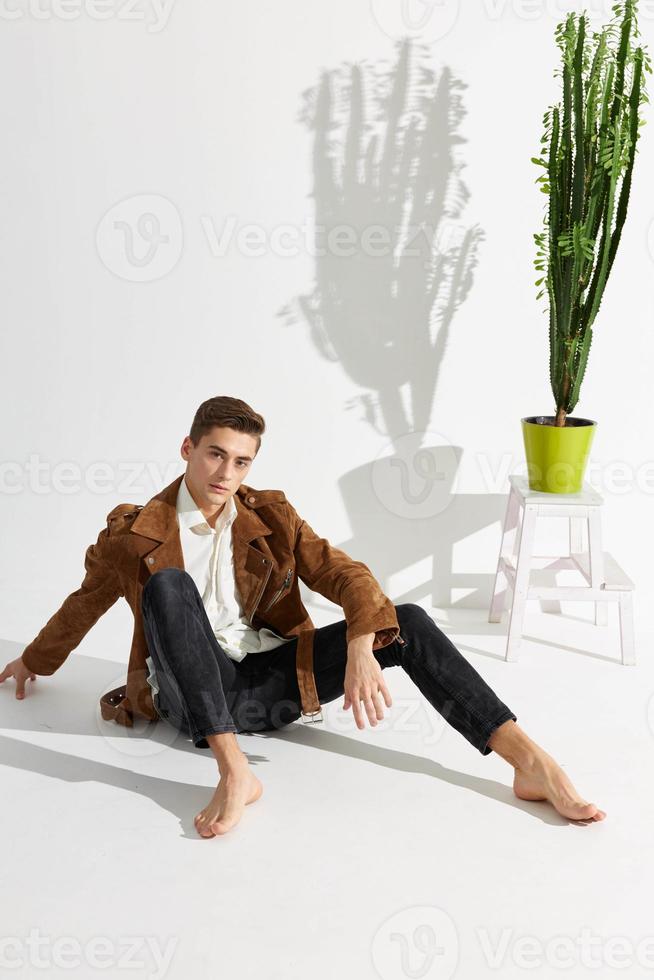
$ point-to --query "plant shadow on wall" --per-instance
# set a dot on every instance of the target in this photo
(395, 260)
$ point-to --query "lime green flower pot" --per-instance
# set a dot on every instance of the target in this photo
(557, 455)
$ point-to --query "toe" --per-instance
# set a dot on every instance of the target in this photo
(219, 827)
(201, 825)
(587, 811)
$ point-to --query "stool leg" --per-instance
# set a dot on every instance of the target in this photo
(575, 546)
(522, 571)
(552, 606)
(576, 535)
(596, 562)
(627, 645)
(575, 540)
(506, 551)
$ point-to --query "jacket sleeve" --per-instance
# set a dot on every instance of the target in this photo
(346, 582)
(77, 614)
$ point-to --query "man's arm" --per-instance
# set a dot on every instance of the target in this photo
(77, 614)
(346, 582)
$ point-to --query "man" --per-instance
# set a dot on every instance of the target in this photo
(211, 569)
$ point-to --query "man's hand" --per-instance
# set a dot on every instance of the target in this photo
(364, 682)
(18, 670)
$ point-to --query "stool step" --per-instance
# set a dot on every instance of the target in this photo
(615, 579)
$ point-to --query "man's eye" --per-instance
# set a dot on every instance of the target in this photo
(241, 462)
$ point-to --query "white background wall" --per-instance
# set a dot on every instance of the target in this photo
(201, 105)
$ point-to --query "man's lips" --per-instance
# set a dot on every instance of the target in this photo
(218, 486)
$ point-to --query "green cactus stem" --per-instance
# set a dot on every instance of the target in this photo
(588, 150)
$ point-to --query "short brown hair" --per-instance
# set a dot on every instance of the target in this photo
(225, 411)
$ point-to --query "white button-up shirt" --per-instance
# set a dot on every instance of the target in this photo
(208, 558)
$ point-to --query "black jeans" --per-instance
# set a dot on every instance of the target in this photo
(203, 691)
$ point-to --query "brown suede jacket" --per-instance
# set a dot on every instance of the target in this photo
(273, 549)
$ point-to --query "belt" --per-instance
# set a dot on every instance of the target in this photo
(306, 680)
(112, 708)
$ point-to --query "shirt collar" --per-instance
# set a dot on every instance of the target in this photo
(189, 514)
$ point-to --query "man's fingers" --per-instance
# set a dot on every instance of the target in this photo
(14, 669)
(371, 710)
(364, 695)
(379, 711)
(371, 702)
(356, 710)
(388, 701)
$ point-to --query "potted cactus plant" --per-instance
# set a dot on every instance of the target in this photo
(588, 151)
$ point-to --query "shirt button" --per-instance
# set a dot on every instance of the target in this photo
(251, 500)
(150, 561)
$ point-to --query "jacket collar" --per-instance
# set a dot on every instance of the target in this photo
(158, 518)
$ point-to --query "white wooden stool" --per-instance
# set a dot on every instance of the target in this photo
(605, 580)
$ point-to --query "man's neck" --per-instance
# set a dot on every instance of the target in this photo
(210, 516)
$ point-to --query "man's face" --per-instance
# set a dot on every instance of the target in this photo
(223, 456)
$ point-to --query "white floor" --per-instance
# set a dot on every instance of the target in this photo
(393, 852)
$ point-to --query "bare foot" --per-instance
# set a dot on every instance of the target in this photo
(545, 780)
(238, 786)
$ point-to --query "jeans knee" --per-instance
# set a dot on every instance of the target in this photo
(412, 617)
(164, 581)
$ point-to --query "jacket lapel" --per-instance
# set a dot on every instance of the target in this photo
(157, 522)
